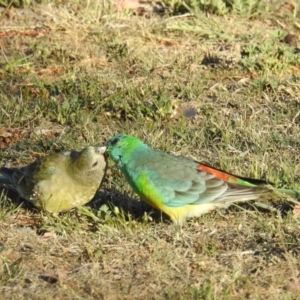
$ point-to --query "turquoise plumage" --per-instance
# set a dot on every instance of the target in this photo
(179, 186)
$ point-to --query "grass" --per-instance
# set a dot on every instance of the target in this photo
(206, 80)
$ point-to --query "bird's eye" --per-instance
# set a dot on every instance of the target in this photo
(114, 141)
(95, 164)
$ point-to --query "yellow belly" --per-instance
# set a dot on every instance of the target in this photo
(178, 214)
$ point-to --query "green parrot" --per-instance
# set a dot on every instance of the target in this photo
(59, 182)
(178, 186)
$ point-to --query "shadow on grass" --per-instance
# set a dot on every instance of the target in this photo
(135, 208)
(16, 199)
(112, 198)
(138, 208)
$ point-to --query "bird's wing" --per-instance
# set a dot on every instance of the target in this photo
(26, 178)
(179, 181)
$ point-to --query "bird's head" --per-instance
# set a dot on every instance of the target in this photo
(90, 159)
(121, 146)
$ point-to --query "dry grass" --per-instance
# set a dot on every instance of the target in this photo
(222, 88)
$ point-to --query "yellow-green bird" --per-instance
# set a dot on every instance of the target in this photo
(178, 186)
(60, 181)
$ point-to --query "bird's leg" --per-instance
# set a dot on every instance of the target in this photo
(178, 232)
(178, 228)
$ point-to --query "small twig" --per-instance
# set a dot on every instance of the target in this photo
(296, 116)
(6, 9)
(246, 252)
(5, 112)
(180, 16)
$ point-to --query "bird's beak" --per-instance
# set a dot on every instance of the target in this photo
(101, 149)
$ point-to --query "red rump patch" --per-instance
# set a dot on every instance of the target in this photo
(219, 174)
